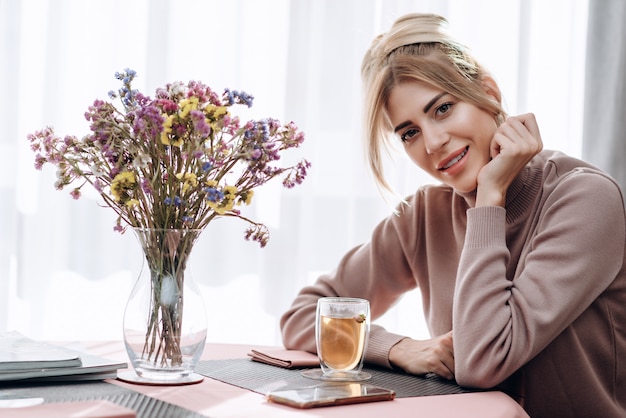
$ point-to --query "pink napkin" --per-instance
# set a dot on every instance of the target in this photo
(285, 358)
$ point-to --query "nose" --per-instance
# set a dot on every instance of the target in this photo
(435, 139)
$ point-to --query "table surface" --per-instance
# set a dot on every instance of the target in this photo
(220, 400)
(213, 398)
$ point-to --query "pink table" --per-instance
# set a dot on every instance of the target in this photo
(216, 399)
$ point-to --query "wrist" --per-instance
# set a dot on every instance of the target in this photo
(396, 353)
(490, 197)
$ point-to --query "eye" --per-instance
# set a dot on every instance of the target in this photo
(409, 135)
(443, 109)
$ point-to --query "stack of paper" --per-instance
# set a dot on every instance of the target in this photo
(23, 358)
(91, 409)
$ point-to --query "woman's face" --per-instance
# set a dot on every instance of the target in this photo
(448, 138)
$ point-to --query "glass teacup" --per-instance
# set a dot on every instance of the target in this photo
(341, 333)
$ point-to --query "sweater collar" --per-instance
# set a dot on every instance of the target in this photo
(519, 196)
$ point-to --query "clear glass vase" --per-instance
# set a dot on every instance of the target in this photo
(165, 324)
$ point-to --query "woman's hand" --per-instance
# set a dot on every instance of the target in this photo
(425, 356)
(514, 144)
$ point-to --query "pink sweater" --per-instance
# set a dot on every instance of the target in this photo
(535, 293)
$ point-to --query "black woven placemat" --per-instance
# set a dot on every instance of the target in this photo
(263, 378)
(144, 406)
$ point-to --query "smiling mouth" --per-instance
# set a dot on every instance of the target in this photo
(454, 160)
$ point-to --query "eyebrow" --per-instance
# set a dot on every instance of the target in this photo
(433, 101)
(426, 109)
(401, 126)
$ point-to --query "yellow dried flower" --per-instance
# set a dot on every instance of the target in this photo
(121, 184)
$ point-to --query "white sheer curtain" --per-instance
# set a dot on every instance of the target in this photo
(64, 273)
(605, 98)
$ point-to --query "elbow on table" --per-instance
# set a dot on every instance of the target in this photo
(477, 377)
(481, 366)
(292, 342)
(298, 342)
(297, 338)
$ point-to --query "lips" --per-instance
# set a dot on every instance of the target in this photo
(446, 164)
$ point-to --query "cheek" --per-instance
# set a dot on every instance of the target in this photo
(485, 132)
(417, 155)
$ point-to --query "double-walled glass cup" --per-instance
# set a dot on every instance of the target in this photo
(342, 328)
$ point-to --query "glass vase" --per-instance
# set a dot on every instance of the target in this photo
(165, 324)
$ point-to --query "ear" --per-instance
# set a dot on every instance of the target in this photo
(491, 88)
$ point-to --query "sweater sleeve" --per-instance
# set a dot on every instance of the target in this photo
(377, 271)
(570, 257)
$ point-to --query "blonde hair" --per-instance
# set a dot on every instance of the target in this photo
(417, 48)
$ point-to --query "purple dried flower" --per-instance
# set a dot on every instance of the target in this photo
(39, 161)
(146, 186)
(183, 157)
(97, 184)
(199, 123)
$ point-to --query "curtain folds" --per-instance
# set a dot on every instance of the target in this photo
(64, 272)
(605, 88)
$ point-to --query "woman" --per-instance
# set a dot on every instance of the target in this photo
(519, 253)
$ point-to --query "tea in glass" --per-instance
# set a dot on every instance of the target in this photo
(341, 334)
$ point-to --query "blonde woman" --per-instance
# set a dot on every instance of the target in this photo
(518, 252)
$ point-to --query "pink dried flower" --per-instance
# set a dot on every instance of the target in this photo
(184, 147)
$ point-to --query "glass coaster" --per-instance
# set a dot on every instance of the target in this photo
(317, 374)
(132, 377)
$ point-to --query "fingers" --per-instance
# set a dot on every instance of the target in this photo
(442, 358)
(447, 357)
(445, 368)
(530, 123)
(426, 356)
(447, 371)
(521, 131)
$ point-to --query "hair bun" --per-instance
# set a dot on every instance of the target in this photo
(409, 29)
(416, 28)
